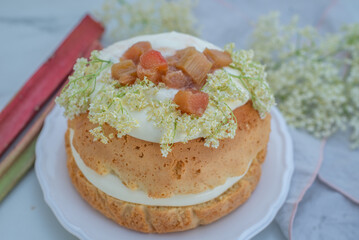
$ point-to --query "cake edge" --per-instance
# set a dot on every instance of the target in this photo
(155, 219)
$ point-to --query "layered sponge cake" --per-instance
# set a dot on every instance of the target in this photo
(166, 132)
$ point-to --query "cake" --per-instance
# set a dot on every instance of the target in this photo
(166, 132)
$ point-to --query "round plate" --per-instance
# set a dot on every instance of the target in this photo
(83, 221)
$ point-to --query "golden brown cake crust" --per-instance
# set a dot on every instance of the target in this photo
(152, 219)
(189, 168)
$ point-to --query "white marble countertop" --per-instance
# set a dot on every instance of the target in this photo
(31, 31)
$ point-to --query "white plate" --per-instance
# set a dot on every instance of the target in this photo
(86, 223)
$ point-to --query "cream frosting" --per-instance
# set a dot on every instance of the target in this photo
(113, 186)
(167, 44)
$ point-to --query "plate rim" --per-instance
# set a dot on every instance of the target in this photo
(286, 179)
(246, 234)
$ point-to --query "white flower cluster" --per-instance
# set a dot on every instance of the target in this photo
(112, 105)
(224, 87)
(305, 71)
(351, 44)
(75, 96)
(126, 19)
(253, 78)
(106, 107)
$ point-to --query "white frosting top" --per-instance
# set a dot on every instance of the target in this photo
(167, 44)
(113, 186)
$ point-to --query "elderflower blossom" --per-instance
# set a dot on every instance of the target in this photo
(126, 19)
(75, 97)
(351, 43)
(98, 134)
(224, 87)
(253, 78)
(305, 72)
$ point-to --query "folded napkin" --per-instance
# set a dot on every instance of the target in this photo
(323, 198)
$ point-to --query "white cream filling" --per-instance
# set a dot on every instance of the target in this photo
(167, 44)
(113, 186)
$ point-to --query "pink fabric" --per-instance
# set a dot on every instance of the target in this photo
(325, 13)
(351, 198)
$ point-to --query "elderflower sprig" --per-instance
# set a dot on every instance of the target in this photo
(305, 71)
(252, 77)
(112, 105)
(75, 96)
(223, 86)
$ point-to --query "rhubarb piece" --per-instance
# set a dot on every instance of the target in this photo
(125, 72)
(218, 58)
(195, 64)
(126, 67)
(172, 60)
(136, 50)
(152, 74)
(152, 65)
(153, 60)
(127, 80)
(176, 79)
(17, 170)
(188, 50)
(191, 101)
(36, 91)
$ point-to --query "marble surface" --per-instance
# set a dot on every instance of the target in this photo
(31, 31)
